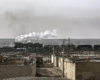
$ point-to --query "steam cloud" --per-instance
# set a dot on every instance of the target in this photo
(37, 36)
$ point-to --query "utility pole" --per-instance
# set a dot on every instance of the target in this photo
(63, 54)
(53, 53)
(68, 48)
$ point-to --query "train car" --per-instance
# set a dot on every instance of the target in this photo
(27, 45)
(86, 47)
(19, 45)
(97, 47)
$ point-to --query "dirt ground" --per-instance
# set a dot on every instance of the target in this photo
(48, 70)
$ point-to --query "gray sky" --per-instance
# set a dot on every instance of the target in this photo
(72, 18)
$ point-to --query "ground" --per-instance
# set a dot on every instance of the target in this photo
(35, 78)
(45, 71)
(48, 70)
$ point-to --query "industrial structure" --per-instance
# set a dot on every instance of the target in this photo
(79, 59)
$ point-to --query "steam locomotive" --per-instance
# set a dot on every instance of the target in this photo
(40, 47)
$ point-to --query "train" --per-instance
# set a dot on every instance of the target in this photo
(37, 47)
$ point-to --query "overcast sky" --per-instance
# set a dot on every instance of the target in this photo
(72, 18)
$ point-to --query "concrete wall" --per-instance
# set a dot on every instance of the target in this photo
(10, 71)
(69, 67)
(51, 58)
(88, 70)
(55, 61)
(60, 63)
(69, 70)
(79, 70)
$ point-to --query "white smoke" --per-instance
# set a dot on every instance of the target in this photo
(37, 36)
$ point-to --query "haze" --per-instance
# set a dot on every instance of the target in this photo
(72, 18)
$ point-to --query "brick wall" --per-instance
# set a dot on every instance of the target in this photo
(8, 71)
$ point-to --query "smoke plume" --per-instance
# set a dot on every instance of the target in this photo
(37, 36)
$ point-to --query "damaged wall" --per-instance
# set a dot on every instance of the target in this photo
(60, 63)
(69, 69)
(88, 70)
